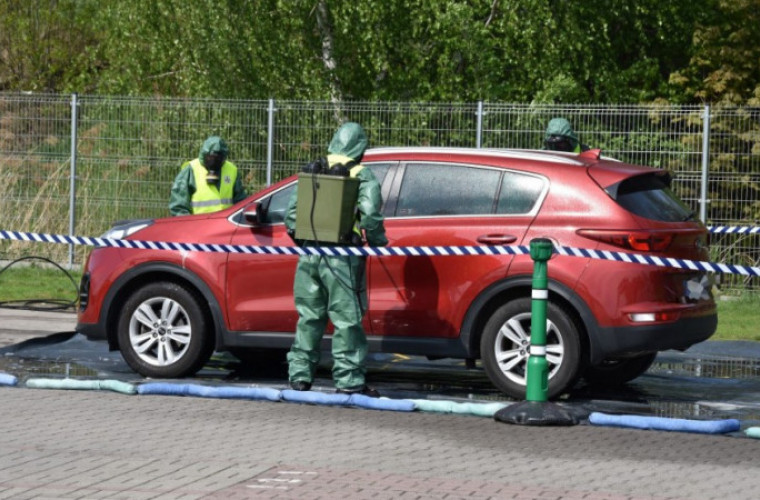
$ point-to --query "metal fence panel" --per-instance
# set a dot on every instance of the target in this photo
(35, 135)
(130, 149)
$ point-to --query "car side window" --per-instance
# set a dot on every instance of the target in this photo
(277, 205)
(519, 193)
(431, 189)
(380, 170)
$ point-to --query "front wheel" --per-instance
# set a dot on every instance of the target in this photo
(162, 331)
(505, 344)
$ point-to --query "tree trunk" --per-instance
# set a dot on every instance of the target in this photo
(326, 32)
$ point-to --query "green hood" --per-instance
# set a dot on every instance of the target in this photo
(350, 140)
(560, 126)
(214, 144)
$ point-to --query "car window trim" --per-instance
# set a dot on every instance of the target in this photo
(387, 187)
(234, 215)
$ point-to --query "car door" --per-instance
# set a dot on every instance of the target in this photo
(260, 286)
(441, 204)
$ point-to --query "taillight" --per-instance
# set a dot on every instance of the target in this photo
(640, 241)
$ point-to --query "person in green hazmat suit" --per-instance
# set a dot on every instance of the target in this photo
(334, 288)
(208, 183)
(560, 136)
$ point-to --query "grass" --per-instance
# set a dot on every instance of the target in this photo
(21, 283)
(738, 318)
(737, 315)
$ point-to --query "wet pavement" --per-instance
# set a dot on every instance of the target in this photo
(67, 444)
(713, 380)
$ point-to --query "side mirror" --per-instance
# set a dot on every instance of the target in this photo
(254, 214)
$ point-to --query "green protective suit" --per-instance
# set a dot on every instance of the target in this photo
(561, 127)
(334, 288)
(180, 199)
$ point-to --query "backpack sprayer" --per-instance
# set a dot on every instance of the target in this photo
(326, 210)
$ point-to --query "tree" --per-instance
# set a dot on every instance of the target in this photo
(43, 44)
(724, 66)
(546, 51)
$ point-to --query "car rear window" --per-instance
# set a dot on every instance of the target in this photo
(650, 196)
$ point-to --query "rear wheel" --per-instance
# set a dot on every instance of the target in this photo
(162, 331)
(617, 372)
(505, 345)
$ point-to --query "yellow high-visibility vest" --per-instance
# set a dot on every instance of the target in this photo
(207, 197)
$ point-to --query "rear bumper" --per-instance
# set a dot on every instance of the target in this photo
(632, 340)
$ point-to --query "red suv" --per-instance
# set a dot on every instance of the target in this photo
(167, 311)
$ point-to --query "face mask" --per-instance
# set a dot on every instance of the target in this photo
(213, 161)
(559, 143)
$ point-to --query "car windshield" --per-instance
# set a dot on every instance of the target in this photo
(650, 197)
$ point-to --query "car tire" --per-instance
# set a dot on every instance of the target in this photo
(617, 372)
(162, 331)
(504, 348)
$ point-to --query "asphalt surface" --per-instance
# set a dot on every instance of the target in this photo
(65, 444)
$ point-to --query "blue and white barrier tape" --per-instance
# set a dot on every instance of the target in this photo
(734, 229)
(634, 258)
(252, 249)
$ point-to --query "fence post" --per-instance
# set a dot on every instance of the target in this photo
(703, 201)
(479, 126)
(270, 140)
(73, 176)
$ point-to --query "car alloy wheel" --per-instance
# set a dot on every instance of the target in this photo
(512, 346)
(159, 331)
(505, 348)
(162, 331)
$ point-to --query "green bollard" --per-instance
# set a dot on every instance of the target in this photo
(536, 410)
(537, 376)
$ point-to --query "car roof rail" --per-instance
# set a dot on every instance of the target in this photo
(518, 154)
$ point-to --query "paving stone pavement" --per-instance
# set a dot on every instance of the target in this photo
(74, 444)
(99, 444)
(17, 325)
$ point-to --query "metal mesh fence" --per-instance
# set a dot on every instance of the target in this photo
(128, 151)
(35, 140)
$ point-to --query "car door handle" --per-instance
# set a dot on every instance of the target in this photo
(497, 239)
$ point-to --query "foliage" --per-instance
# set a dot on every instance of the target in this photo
(231, 55)
(544, 51)
(44, 44)
(724, 65)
